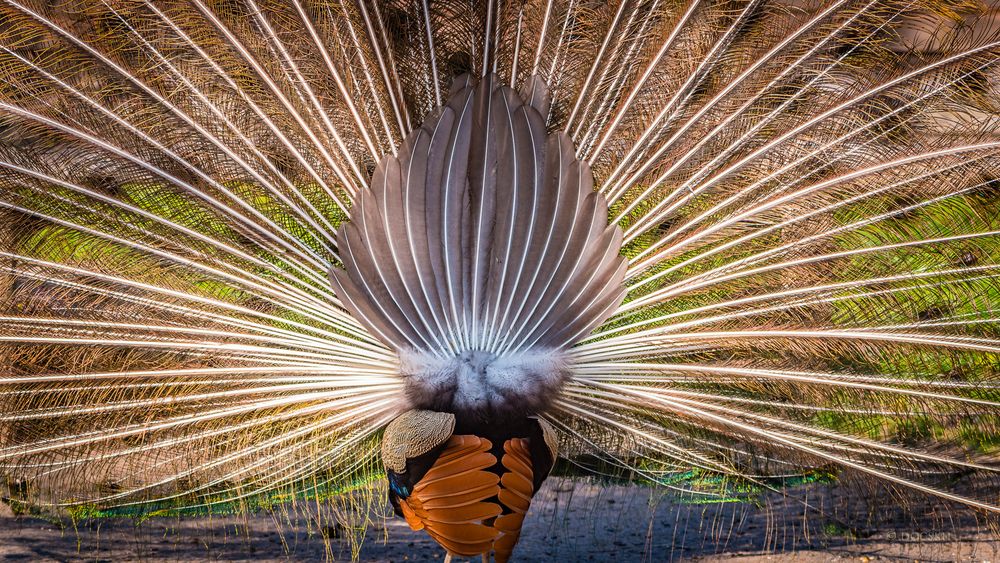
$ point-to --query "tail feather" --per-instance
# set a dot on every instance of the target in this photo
(502, 217)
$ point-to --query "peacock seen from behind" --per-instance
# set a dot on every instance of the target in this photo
(268, 250)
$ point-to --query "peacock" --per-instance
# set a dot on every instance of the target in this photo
(258, 250)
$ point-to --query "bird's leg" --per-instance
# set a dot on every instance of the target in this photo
(447, 558)
(486, 558)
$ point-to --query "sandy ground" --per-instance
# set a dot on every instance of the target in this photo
(570, 521)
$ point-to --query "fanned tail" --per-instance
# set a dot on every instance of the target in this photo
(807, 201)
(481, 253)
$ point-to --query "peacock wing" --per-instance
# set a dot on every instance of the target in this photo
(516, 490)
(450, 500)
(413, 434)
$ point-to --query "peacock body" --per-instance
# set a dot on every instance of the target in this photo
(255, 249)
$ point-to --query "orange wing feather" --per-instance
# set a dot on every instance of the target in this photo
(450, 501)
(516, 490)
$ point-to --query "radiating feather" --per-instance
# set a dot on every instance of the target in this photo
(807, 196)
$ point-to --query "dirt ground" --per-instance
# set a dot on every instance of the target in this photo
(570, 521)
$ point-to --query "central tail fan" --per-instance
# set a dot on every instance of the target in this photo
(482, 252)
